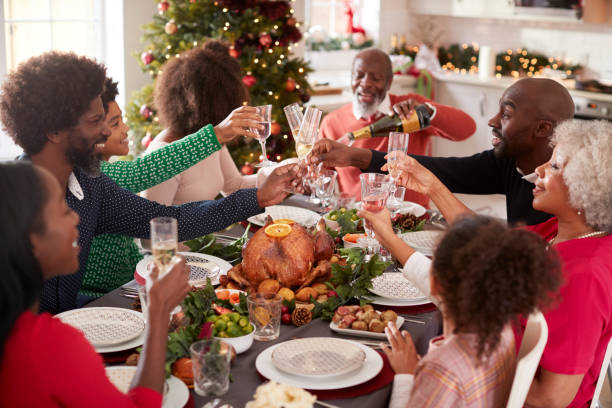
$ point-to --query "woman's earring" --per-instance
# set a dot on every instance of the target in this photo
(579, 212)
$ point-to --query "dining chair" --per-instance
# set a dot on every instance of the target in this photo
(602, 375)
(532, 347)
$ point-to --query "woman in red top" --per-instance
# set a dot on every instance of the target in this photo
(44, 362)
(575, 185)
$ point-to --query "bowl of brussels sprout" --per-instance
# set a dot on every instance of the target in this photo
(335, 218)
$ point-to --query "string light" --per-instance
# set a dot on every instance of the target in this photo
(276, 97)
(278, 62)
(278, 157)
(289, 48)
(291, 11)
(195, 43)
(282, 56)
(256, 21)
(264, 65)
(256, 60)
(227, 24)
(224, 10)
(169, 46)
(297, 24)
(225, 28)
(301, 70)
(270, 93)
(297, 86)
(270, 51)
(285, 137)
(275, 27)
(167, 56)
(276, 43)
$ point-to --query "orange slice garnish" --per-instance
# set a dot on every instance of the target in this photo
(278, 230)
(262, 315)
(287, 221)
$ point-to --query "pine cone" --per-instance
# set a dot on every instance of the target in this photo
(301, 316)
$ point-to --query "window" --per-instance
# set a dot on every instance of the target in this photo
(31, 27)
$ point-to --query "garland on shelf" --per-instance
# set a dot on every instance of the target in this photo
(463, 59)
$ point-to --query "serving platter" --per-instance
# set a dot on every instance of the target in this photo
(318, 357)
(105, 326)
(300, 215)
(371, 367)
(382, 301)
(201, 266)
(362, 333)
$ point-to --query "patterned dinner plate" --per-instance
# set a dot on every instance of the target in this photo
(393, 285)
(201, 266)
(424, 242)
(318, 357)
(175, 394)
(300, 215)
(105, 326)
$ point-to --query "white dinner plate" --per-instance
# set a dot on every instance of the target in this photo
(370, 369)
(177, 393)
(382, 301)
(300, 215)
(318, 357)
(105, 326)
(201, 266)
(424, 242)
(137, 342)
(362, 333)
(408, 207)
(393, 285)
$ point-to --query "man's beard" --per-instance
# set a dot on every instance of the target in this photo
(83, 155)
(365, 110)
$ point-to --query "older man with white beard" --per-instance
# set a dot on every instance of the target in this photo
(371, 78)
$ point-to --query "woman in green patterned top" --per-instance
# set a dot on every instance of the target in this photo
(113, 258)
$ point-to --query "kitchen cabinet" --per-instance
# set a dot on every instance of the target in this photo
(480, 101)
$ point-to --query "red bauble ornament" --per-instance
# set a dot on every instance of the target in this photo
(275, 128)
(170, 27)
(147, 57)
(146, 112)
(249, 80)
(233, 52)
(146, 140)
(162, 6)
(192, 1)
(247, 169)
(304, 97)
(265, 39)
(291, 21)
(290, 85)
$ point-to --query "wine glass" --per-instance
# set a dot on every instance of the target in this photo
(309, 129)
(398, 143)
(164, 242)
(265, 111)
(326, 187)
(375, 189)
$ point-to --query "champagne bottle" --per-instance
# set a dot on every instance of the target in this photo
(419, 119)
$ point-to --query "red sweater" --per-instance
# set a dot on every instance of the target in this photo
(449, 123)
(46, 363)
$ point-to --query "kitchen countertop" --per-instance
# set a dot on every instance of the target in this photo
(504, 82)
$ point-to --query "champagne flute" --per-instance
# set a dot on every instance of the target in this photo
(398, 146)
(164, 242)
(309, 129)
(265, 111)
(374, 193)
(294, 116)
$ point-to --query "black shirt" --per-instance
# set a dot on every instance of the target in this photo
(482, 173)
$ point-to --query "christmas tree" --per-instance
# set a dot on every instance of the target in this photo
(261, 34)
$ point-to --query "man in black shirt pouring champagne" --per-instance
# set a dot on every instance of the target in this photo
(528, 112)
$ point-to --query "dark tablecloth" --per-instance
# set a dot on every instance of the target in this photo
(244, 375)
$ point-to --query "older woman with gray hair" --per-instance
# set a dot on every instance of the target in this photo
(575, 185)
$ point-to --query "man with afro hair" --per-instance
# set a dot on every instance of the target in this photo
(51, 107)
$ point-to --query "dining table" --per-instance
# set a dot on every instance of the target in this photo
(423, 324)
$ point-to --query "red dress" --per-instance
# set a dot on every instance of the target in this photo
(580, 327)
(449, 123)
(46, 363)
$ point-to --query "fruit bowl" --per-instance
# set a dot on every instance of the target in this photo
(240, 344)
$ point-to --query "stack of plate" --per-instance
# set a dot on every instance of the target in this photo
(108, 329)
(392, 289)
(423, 241)
(319, 363)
